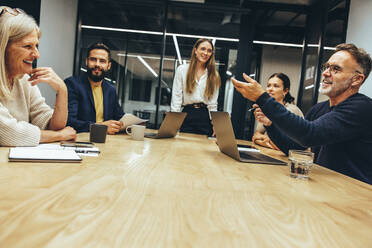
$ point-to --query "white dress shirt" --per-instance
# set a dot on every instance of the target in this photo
(181, 97)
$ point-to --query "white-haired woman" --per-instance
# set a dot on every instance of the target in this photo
(25, 118)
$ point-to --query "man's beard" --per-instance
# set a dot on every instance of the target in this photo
(96, 78)
(334, 90)
(325, 91)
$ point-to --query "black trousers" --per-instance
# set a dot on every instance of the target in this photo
(197, 121)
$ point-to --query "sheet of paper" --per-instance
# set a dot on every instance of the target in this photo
(129, 119)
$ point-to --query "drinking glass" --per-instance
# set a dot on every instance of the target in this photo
(300, 163)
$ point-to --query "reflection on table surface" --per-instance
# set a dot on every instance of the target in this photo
(179, 192)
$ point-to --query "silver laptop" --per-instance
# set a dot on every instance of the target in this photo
(169, 127)
(228, 145)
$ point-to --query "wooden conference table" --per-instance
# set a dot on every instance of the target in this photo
(178, 192)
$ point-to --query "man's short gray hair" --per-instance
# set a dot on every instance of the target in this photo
(360, 55)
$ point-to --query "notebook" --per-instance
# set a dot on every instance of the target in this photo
(169, 127)
(35, 154)
(227, 143)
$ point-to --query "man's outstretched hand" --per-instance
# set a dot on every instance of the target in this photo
(250, 89)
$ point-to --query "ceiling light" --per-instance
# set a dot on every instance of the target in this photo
(189, 1)
(143, 56)
(177, 49)
(147, 66)
(122, 30)
(200, 36)
(325, 48)
(277, 43)
(108, 79)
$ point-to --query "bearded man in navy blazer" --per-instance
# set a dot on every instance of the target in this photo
(91, 98)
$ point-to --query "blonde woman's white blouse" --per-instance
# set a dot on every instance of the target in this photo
(180, 97)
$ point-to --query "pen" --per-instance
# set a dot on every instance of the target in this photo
(251, 109)
(85, 151)
(77, 145)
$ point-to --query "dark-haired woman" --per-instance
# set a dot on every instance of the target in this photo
(195, 88)
(277, 87)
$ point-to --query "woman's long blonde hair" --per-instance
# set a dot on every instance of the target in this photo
(213, 80)
(12, 28)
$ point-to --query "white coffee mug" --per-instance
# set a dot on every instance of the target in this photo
(136, 131)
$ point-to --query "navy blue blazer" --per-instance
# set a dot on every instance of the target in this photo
(81, 110)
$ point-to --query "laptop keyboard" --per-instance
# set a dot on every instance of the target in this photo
(260, 157)
(245, 155)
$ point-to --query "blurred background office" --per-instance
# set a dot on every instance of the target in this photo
(150, 38)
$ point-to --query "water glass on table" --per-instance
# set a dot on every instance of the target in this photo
(300, 163)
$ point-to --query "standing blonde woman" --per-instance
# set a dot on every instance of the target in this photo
(25, 118)
(195, 88)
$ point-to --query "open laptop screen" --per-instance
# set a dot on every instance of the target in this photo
(227, 143)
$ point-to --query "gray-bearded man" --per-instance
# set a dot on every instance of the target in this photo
(338, 130)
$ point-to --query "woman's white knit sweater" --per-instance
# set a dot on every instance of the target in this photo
(22, 115)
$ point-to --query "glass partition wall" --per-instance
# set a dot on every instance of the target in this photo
(326, 28)
(135, 31)
(151, 38)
